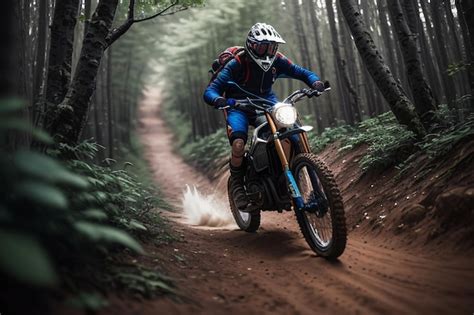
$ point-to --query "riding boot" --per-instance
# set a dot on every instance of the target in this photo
(236, 186)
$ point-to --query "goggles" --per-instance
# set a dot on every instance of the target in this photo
(263, 49)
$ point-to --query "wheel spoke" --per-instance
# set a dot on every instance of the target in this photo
(310, 185)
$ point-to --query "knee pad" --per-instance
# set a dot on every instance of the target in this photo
(238, 147)
(234, 135)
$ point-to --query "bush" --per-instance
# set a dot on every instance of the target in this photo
(207, 151)
(63, 221)
(329, 135)
(440, 143)
(388, 143)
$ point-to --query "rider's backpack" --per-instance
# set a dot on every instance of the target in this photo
(235, 52)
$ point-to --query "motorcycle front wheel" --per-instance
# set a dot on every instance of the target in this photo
(324, 227)
(247, 221)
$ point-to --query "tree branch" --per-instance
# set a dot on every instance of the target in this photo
(131, 10)
(176, 11)
(159, 13)
(116, 33)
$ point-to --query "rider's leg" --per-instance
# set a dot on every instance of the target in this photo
(238, 150)
(237, 126)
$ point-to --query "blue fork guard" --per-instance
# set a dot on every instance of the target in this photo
(295, 192)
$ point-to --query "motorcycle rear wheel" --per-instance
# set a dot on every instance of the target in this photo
(325, 233)
(247, 221)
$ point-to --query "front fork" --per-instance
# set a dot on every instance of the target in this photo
(298, 201)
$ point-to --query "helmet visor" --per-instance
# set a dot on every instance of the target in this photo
(264, 49)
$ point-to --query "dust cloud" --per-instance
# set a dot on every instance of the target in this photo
(206, 210)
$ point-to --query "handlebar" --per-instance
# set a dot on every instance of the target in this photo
(265, 104)
(299, 94)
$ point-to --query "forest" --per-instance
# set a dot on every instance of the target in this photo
(114, 169)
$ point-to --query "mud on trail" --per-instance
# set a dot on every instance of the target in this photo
(223, 270)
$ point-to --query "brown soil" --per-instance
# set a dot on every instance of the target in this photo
(273, 271)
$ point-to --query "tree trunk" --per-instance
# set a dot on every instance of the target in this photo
(125, 98)
(422, 95)
(321, 69)
(61, 49)
(465, 32)
(9, 33)
(387, 38)
(348, 65)
(448, 82)
(416, 26)
(71, 115)
(40, 50)
(453, 30)
(110, 109)
(300, 34)
(340, 64)
(467, 12)
(398, 102)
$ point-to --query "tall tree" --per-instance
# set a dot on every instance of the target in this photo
(466, 8)
(398, 102)
(300, 34)
(423, 97)
(70, 116)
(449, 86)
(416, 26)
(43, 21)
(319, 54)
(60, 51)
(349, 67)
(8, 33)
(350, 107)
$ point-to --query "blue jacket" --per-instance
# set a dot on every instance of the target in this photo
(252, 78)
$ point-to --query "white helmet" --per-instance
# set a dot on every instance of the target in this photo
(262, 44)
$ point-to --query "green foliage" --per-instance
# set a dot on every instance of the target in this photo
(190, 44)
(388, 142)
(147, 8)
(126, 202)
(91, 301)
(141, 280)
(101, 233)
(454, 68)
(62, 219)
(10, 120)
(205, 152)
(329, 135)
(181, 127)
(23, 257)
(439, 144)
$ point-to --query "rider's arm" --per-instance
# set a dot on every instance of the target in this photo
(287, 68)
(218, 86)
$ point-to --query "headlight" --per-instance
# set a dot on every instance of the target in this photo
(285, 114)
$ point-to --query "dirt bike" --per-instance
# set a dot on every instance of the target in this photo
(300, 182)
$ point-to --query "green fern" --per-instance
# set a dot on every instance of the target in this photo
(62, 216)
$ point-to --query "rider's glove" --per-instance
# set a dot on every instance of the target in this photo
(318, 86)
(222, 102)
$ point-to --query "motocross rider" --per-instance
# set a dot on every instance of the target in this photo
(256, 71)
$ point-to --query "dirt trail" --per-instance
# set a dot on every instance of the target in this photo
(273, 271)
